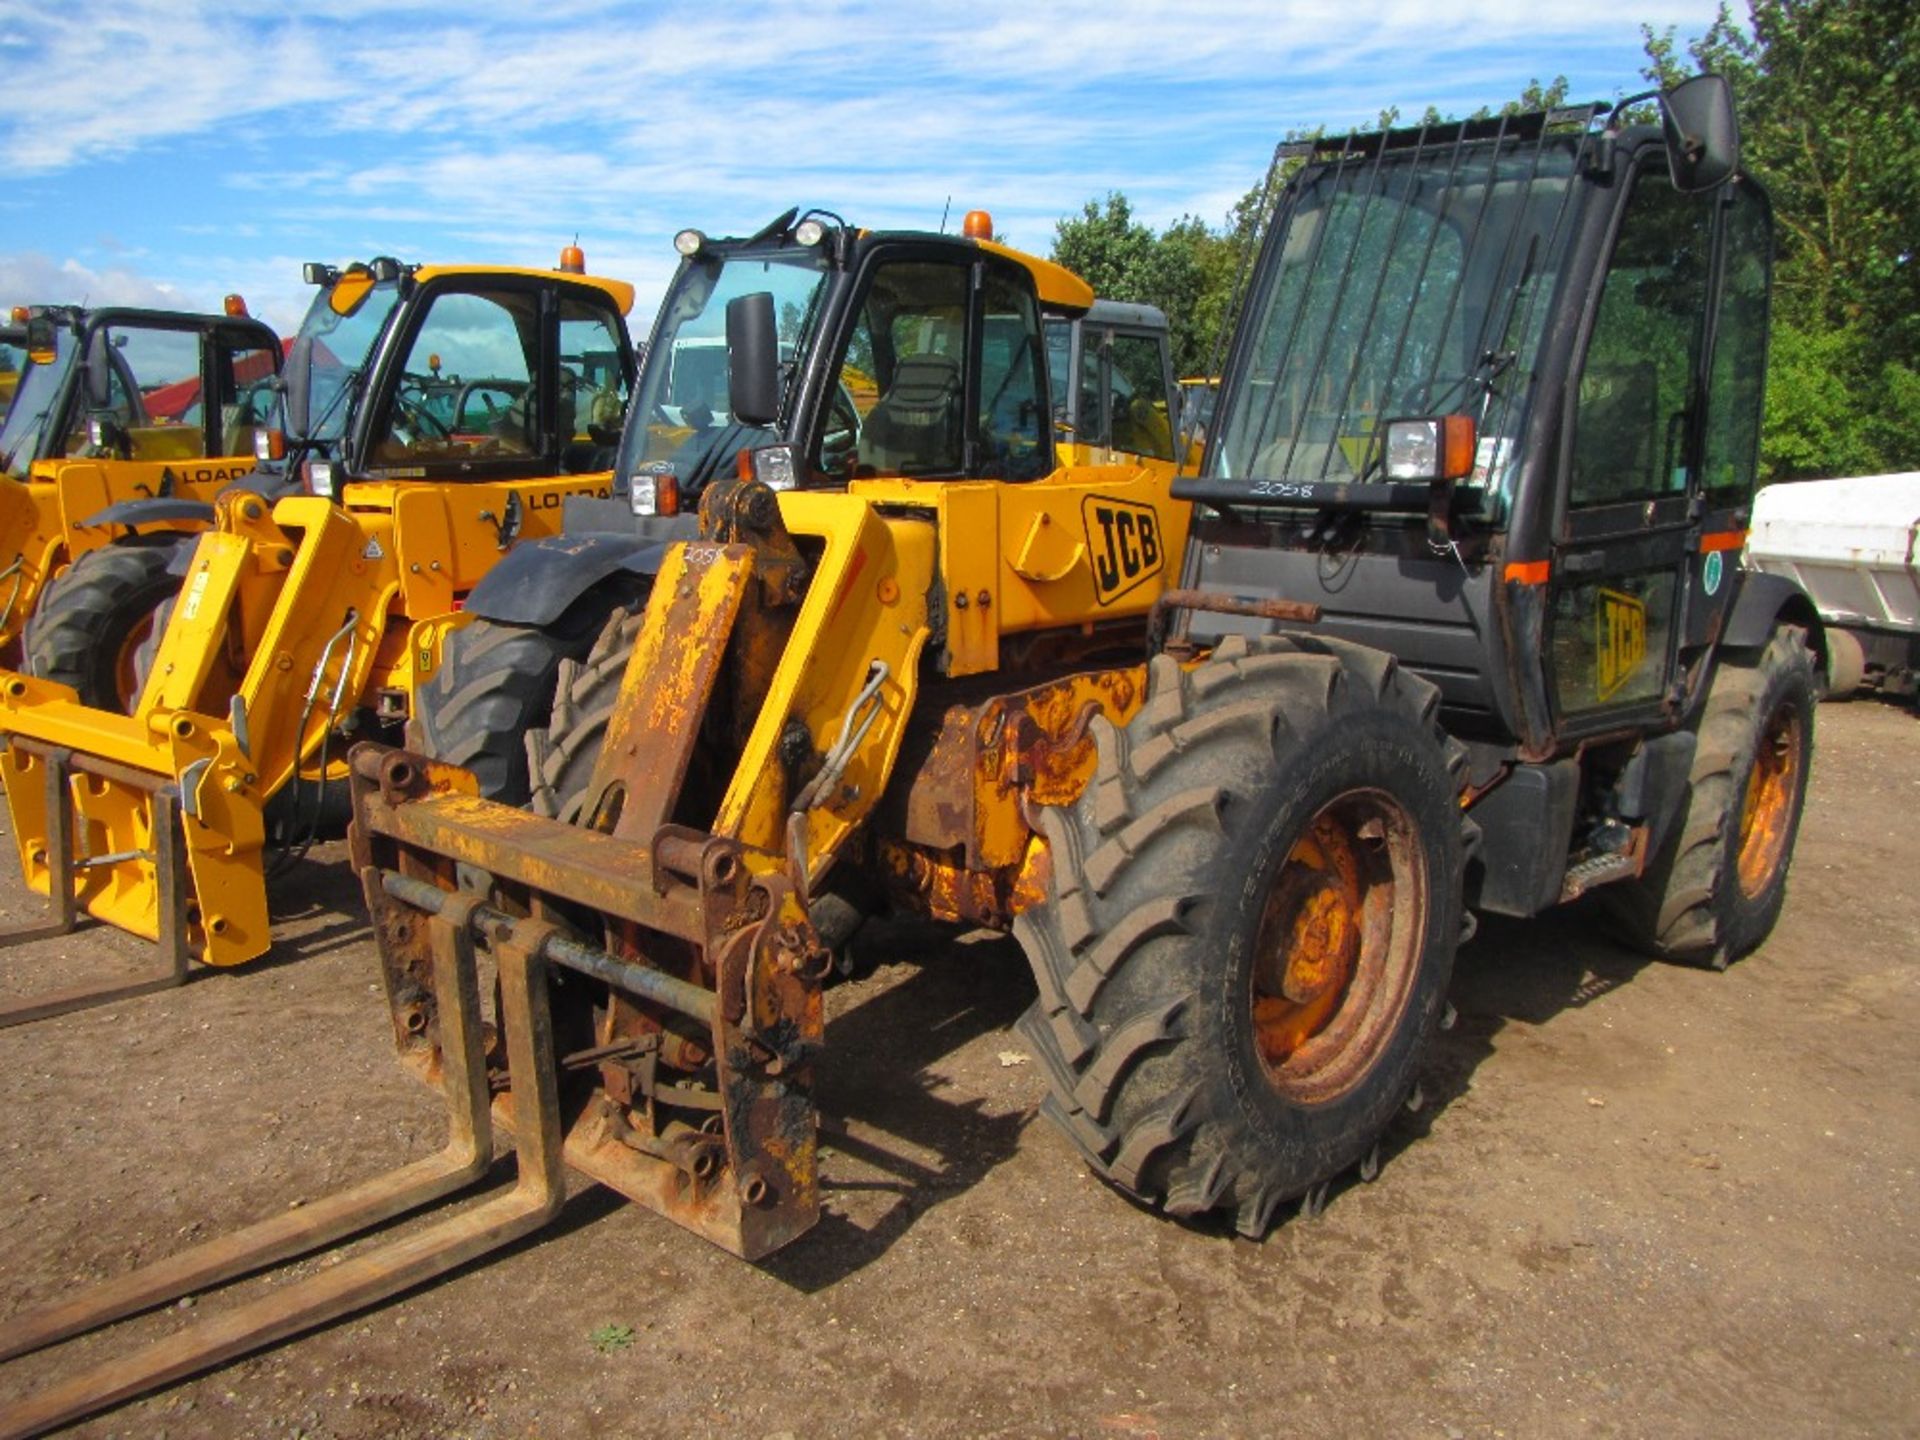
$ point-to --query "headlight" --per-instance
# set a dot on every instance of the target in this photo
(1430, 447)
(773, 467)
(655, 489)
(689, 243)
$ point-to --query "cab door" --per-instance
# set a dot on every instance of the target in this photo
(1628, 527)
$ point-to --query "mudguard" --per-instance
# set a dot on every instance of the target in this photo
(1765, 601)
(155, 510)
(537, 580)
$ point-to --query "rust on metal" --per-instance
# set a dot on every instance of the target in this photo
(1292, 612)
(700, 1024)
(1338, 946)
(962, 828)
(1767, 809)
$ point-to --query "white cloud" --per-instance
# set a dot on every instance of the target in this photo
(340, 129)
(27, 278)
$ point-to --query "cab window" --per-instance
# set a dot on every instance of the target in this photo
(149, 381)
(243, 378)
(1013, 402)
(1731, 453)
(593, 385)
(900, 385)
(468, 387)
(1137, 398)
(1636, 390)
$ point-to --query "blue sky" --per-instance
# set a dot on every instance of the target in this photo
(165, 152)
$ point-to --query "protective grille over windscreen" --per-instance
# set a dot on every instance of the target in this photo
(1410, 274)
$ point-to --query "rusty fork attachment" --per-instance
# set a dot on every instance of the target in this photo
(363, 1279)
(69, 872)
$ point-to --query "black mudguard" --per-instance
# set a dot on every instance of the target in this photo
(158, 510)
(1766, 601)
(537, 580)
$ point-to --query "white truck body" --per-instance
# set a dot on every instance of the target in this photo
(1850, 544)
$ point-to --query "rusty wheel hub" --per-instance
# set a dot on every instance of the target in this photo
(1766, 812)
(1338, 946)
(127, 679)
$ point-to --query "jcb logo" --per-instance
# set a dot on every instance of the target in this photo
(1124, 540)
(1620, 641)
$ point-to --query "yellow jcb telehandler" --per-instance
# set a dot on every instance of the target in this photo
(129, 422)
(431, 416)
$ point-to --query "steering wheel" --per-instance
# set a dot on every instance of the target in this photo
(413, 416)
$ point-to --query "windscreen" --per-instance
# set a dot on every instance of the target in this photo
(1411, 282)
(34, 399)
(326, 361)
(683, 413)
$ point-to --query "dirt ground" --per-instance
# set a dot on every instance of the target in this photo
(1642, 1199)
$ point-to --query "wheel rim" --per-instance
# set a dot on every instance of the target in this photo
(1766, 815)
(1338, 946)
(128, 679)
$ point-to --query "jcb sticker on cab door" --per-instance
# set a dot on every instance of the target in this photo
(1123, 539)
(1620, 640)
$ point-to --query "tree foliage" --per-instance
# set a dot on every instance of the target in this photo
(1828, 93)
(1829, 99)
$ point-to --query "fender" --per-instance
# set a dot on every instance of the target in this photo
(537, 580)
(158, 510)
(1766, 600)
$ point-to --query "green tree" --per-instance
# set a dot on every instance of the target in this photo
(1828, 93)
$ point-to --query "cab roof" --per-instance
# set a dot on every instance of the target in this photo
(618, 291)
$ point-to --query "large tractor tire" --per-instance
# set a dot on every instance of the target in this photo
(1714, 890)
(561, 756)
(495, 686)
(96, 626)
(1249, 926)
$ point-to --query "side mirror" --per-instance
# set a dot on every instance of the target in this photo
(350, 291)
(753, 360)
(40, 346)
(1703, 137)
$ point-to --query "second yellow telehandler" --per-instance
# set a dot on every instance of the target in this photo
(432, 416)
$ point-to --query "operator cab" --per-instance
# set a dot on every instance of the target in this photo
(133, 384)
(835, 354)
(1111, 381)
(410, 372)
(1495, 408)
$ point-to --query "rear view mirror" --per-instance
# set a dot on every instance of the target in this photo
(753, 360)
(350, 291)
(1703, 137)
(40, 340)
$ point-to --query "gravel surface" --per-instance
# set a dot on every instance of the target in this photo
(1642, 1199)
